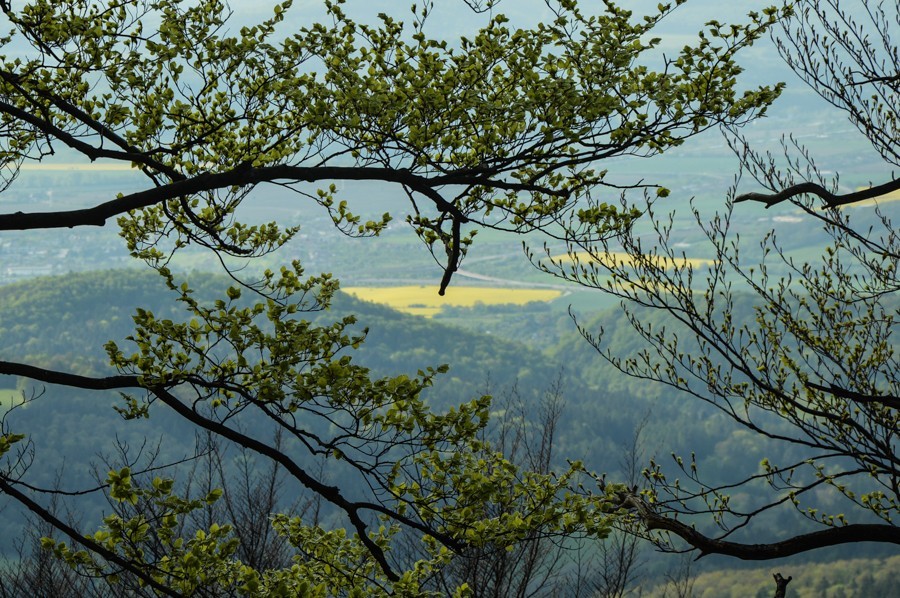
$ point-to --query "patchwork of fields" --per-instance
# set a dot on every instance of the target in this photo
(424, 300)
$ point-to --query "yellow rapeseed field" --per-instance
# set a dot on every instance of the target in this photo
(425, 301)
(892, 196)
(616, 258)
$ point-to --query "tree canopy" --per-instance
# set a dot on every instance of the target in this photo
(504, 129)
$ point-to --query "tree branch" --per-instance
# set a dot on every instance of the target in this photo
(781, 583)
(831, 536)
(75, 536)
(845, 393)
(63, 379)
(870, 79)
(330, 493)
(453, 256)
(240, 177)
(831, 200)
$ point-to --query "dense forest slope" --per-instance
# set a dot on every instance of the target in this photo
(63, 323)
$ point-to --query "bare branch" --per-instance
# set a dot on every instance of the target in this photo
(831, 200)
(831, 536)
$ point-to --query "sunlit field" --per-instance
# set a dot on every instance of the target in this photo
(425, 301)
(616, 258)
(892, 196)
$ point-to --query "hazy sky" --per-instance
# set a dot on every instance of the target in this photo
(451, 19)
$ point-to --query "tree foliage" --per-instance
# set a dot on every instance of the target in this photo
(500, 130)
(815, 368)
(503, 130)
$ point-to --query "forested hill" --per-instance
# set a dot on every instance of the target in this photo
(63, 323)
(57, 319)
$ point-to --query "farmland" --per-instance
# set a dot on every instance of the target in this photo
(615, 259)
(892, 196)
(423, 300)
